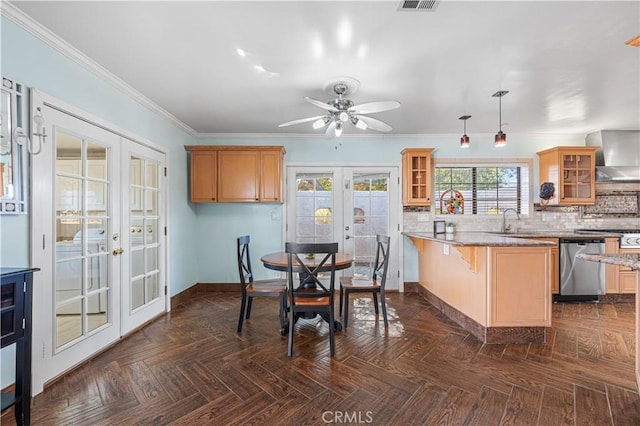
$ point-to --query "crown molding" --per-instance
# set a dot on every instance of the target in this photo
(445, 136)
(36, 29)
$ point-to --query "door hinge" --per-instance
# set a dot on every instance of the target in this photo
(165, 290)
(24, 323)
(43, 237)
(346, 184)
(398, 180)
(398, 227)
(165, 231)
(165, 172)
(398, 273)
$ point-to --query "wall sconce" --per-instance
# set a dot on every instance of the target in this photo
(464, 140)
(501, 137)
(21, 137)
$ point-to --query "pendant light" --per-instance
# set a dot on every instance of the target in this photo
(501, 137)
(464, 140)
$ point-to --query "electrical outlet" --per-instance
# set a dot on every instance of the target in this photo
(445, 249)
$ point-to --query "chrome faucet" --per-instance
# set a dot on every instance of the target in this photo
(505, 227)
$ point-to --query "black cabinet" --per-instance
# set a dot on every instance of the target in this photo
(15, 312)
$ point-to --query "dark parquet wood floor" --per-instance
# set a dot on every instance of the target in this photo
(191, 368)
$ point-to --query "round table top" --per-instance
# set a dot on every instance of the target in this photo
(279, 261)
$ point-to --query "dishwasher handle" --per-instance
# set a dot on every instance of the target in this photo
(581, 241)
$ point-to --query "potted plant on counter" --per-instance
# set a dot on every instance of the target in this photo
(450, 227)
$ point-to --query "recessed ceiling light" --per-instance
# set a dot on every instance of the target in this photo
(241, 53)
(343, 33)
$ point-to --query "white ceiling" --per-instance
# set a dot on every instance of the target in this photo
(565, 64)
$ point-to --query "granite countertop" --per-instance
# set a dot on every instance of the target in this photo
(483, 239)
(558, 234)
(632, 260)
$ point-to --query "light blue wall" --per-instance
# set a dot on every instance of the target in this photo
(28, 60)
(220, 224)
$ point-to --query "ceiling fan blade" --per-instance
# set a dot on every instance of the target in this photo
(331, 129)
(302, 120)
(372, 107)
(320, 104)
(374, 124)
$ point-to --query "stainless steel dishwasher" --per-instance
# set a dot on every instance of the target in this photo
(580, 280)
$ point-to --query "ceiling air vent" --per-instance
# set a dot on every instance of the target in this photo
(419, 5)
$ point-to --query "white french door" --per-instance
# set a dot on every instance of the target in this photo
(143, 295)
(97, 234)
(350, 205)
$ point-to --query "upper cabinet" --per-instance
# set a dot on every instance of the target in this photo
(236, 174)
(571, 169)
(416, 177)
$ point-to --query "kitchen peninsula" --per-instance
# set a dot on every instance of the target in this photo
(497, 287)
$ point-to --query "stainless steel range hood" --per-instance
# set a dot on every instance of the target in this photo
(618, 158)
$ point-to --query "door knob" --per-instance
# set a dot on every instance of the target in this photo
(347, 237)
(118, 251)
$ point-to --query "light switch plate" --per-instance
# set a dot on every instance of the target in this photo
(445, 249)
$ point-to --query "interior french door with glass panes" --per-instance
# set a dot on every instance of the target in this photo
(143, 296)
(98, 236)
(348, 205)
(76, 214)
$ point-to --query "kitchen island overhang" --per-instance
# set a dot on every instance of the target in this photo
(496, 287)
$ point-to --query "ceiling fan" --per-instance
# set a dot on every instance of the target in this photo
(341, 110)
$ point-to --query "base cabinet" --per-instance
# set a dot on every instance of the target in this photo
(236, 174)
(620, 279)
(15, 310)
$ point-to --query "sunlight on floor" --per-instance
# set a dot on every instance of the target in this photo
(363, 318)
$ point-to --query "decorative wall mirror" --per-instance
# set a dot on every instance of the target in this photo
(12, 155)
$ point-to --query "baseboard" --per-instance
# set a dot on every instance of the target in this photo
(199, 288)
(492, 335)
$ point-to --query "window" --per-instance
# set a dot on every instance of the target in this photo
(481, 188)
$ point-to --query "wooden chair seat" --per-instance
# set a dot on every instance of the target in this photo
(358, 283)
(311, 301)
(270, 286)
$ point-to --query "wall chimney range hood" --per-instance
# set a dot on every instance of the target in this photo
(618, 159)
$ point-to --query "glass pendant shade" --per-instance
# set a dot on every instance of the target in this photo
(501, 137)
(464, 140)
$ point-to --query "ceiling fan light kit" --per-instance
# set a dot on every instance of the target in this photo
(341, 110)
(464, 140)
(501, 137)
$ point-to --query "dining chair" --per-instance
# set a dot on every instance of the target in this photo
(262, 288)
(308, 294)
(374, 285)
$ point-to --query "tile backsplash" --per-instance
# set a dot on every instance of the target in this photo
(560, 218)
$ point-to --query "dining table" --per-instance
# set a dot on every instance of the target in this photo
(279, 261)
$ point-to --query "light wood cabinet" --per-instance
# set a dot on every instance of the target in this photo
(204, 177)
(416, 176)
(555, 263)
(236, 174)
(620, 279)
(571, 169)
